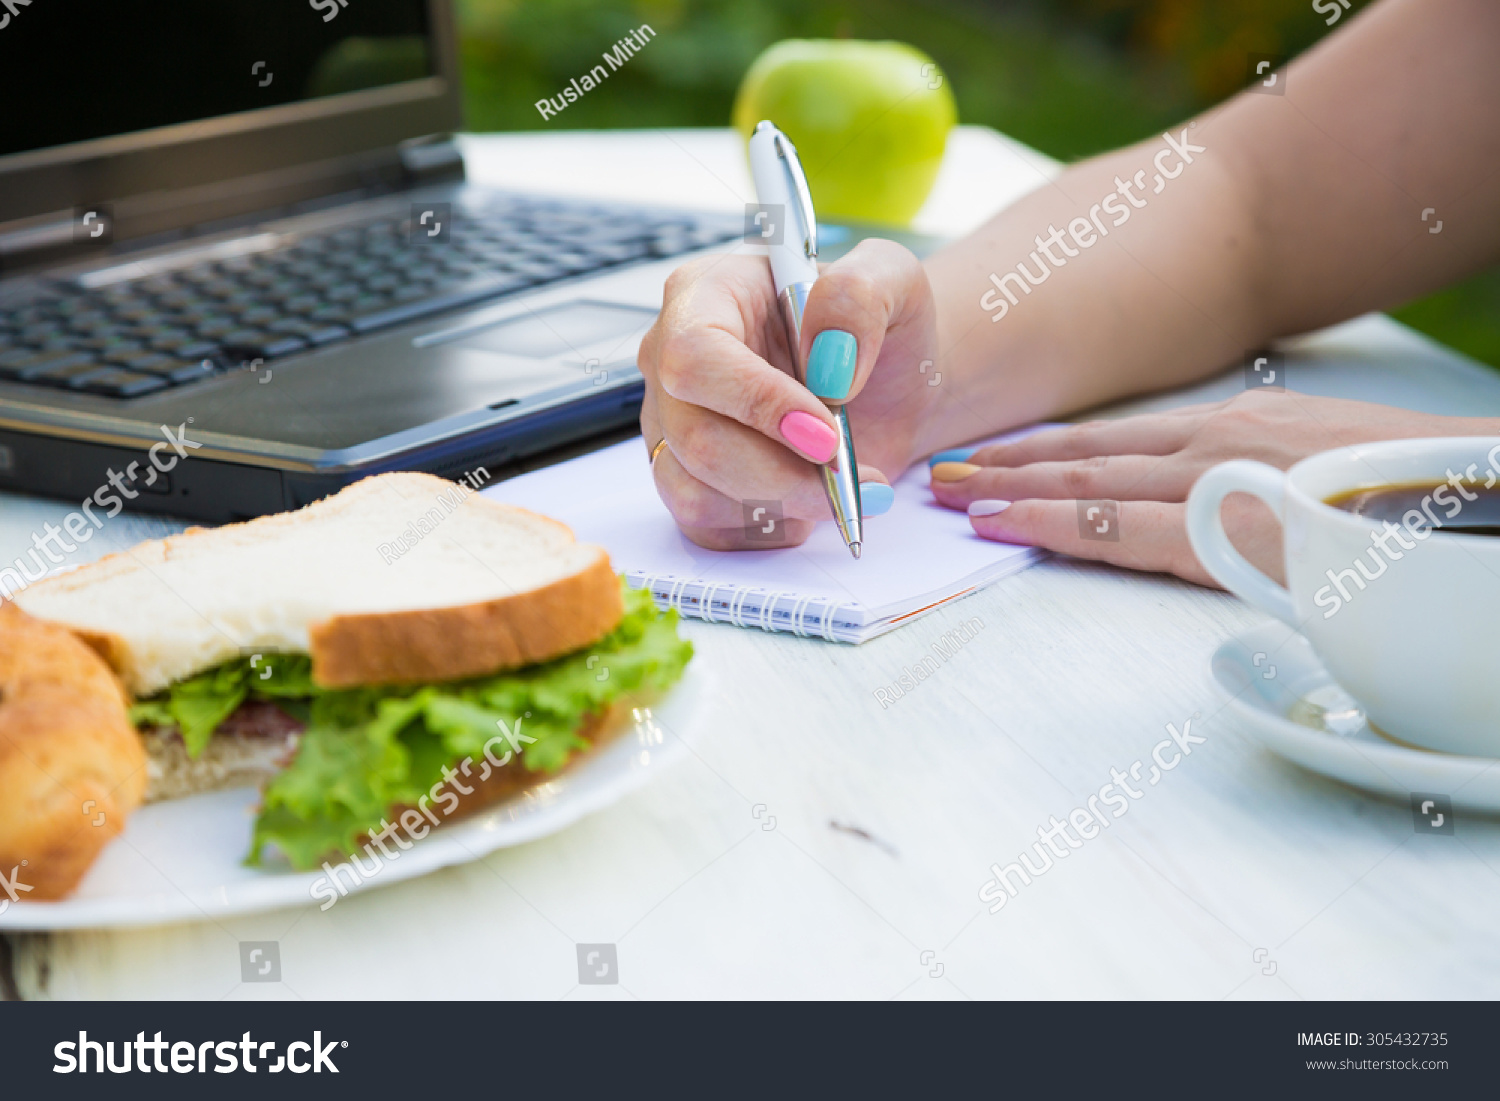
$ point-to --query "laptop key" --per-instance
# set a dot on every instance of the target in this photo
(187, 346)
(115, 382)
(31, 315)
(174, 370)
(215, 328)
(619, 253)
(250, 344)
(311, 332)
(463, 295)
(36, 333)
(367, 304)
(329, 315)
(59, 342)
(538, 271)
(136, 313)
(111, 348)
(26, 365)
(150, 362)
(66, 374)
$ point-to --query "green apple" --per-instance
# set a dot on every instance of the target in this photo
(869, 120)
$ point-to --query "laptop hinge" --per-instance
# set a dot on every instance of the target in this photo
(52, 238)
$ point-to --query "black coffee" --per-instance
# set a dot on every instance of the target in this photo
(1464, 507)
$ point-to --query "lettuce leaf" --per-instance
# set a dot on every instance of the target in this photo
(366, 750)
(198, 705)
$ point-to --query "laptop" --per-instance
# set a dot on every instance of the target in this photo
(240, 232)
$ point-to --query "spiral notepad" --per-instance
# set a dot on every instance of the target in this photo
(916, 557)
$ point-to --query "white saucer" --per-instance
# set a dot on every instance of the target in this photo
(1282, 692)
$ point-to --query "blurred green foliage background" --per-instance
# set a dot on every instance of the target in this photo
(1069, 77)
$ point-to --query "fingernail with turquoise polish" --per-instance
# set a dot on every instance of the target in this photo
(876, 498)
(830, 364)
(952, 455)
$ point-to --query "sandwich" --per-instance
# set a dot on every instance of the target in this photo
(404, 647)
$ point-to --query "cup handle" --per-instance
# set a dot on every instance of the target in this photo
(1205, 528)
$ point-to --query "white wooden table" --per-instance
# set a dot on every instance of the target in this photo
(1238, 877)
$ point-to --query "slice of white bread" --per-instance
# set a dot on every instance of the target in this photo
(399, 578)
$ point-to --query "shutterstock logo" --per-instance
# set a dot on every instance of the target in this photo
(188, 1057)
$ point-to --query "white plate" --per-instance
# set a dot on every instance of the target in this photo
(182, 860)
(1282, 692)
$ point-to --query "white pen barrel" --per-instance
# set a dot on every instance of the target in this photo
(781, 226)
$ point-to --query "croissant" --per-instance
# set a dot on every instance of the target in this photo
(72, 767)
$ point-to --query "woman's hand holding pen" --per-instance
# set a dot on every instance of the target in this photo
(738, 427)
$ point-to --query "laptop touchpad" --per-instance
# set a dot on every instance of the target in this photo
(351, 394)
(575, 333)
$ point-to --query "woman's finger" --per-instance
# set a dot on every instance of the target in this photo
(697, 504)
(1138, 535)
(1116, 477)
(1144, 435)
(714, 344)
(713, 369)
(738, 462)
(858, 303)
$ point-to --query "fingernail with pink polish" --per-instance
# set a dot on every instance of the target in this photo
(809, 435)
(987, 508)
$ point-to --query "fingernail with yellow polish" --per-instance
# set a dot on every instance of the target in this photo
(953, 472)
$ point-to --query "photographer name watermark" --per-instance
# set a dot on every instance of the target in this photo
(624, 50)
(942, 652)
(425, 524)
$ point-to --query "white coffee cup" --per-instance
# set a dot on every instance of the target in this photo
(1412, 631)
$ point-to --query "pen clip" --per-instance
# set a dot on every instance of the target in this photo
(788, 153)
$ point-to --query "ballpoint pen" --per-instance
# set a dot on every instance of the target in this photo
(780, 185)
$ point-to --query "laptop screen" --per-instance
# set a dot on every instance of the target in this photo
(74, 70)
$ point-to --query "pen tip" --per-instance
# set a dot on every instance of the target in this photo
(854, 549)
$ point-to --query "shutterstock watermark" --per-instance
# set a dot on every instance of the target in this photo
(13, 887)
(1419, 523)
(1334, 9)
(624, 50)
(1054, 840)
(17, 577)
(413, 822)
(12, 7)
(1086, 231)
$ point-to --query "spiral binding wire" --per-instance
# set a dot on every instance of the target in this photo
(672, 592)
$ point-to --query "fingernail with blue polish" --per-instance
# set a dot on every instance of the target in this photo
(952, 455)
(876, 498)
(830, 364)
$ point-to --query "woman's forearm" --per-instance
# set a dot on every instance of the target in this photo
(1036, 320)
(1268, 216)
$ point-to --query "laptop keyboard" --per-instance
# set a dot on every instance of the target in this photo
(129, 339)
